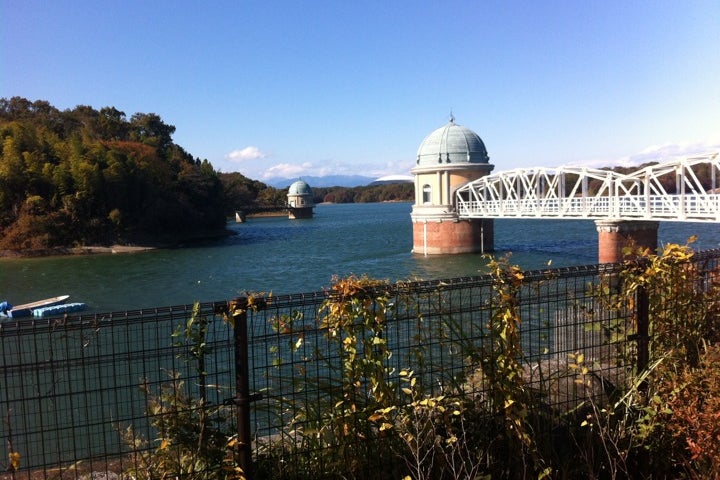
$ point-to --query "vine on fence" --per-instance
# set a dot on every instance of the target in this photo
(194, 438)
(358, 379)
(13, 455)
(682, 297)
(355, 316)
(509, 397)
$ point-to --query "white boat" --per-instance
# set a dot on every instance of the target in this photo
(26, 309)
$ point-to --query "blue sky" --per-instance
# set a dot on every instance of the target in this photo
(291, 88)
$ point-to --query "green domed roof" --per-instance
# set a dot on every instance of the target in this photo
(299, 188)
(452, 143)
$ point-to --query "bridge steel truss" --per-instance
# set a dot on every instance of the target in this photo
(681, 190)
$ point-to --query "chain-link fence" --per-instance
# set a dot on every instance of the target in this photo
(89, 393)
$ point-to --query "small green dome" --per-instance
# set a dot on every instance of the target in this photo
(299, 188)
(452, 143)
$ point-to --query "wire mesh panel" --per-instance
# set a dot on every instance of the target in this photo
(77, 388)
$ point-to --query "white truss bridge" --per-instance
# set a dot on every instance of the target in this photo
(682, 190)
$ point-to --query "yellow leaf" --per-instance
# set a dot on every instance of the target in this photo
(15, 460)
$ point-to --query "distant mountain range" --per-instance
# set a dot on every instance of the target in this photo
(338, 181)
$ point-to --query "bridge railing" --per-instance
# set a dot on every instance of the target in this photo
(682, 190)
(696, 208)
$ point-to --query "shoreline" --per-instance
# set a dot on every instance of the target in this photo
(111, 249)
(85, 250)
(116, 248)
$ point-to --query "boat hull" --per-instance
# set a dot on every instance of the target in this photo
(26, 309)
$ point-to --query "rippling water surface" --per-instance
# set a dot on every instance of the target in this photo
(279, 255)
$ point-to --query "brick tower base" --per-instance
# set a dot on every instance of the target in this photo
(615, 235)
(448, 236)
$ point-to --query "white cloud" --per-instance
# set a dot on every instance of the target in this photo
(655, 153)
(287, 170)
(394, 178)
(326, 167)
(669, 152)
(247, 153)
(402, 167)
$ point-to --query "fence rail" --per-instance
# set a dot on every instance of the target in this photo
(75, 390)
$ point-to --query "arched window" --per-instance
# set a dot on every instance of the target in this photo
(427, 194)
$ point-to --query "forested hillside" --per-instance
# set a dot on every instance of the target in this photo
(83, 176)
(95, 177)
(389, 192)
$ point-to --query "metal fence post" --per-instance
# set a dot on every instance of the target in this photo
(238, 309)
(643, 332)
(643, 356)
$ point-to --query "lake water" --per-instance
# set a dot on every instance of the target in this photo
(278, 255)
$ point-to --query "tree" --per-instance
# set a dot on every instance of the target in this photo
(113, 124)
(149, 129)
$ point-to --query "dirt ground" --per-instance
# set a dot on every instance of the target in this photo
(99, 470)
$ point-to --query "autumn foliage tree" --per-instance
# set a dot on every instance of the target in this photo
(84, 176)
